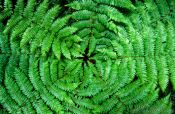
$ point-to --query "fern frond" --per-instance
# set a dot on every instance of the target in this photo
(65, 32)
(147, 102)
(50, 16)
(66, 86)
(42, 108)
(24, 84)
(141, 69)
(14, 90)
(171, 66)
(28, 35)
(120, 3)
(19, 28)
(7, 102)
(11, 23)
(41, 11)
(37, 42)
(47, 43)
(59, 23)
(45, 72)
(50, 100)
(138, 94)
(159, 106)
(4, 44)
(87, 103)
(19, 7)
(56, 47)
(60, 94)
(92, 45)
(65, 50)
(29, 9)
(54, 71)
(162, 72)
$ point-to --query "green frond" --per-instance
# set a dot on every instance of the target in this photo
(78, 5)
(158, 106)
(19, 7)
(118, 48)
(125, 91)
(131, 69)
(41, 11)
(60, 94)
(82, 24)
(47, 43)
(56, 47)
(42, 108)
(74, 38)
(119, 109)
(92, 45)
(138, 94)
(4, 44)
(82, 15)
(151, 69)
(45, 72)
(149, 44)
(29, 9)
(147, 102)
(6, 9)
(11, 23)
(36, 43)
(170, 63)
(34, 73)
(65, 50)
(76, 110)
(170, 40)
(162, 72)
(50, 16)
(2, 65)
(14, 90)
(25, 85)
(28, 35)
(11, 65)
(107, 105)
(160, 38)
(7, 102)
(66, 86)
(112, 13)
(120, 3)
(65, 32)
(7, 5)
(59, 23)
(137, 42)
(19, 28)
(71, 65)
(141, 69)
(107, 69)
(91, 90)
(51, 101)
(54, 71)
(87, 103)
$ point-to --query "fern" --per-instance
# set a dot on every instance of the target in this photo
(87, 56)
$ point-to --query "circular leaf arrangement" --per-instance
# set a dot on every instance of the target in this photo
(87, 56)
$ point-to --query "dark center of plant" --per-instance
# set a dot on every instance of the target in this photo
(86, 57)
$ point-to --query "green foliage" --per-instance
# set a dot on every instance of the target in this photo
(87, 56)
